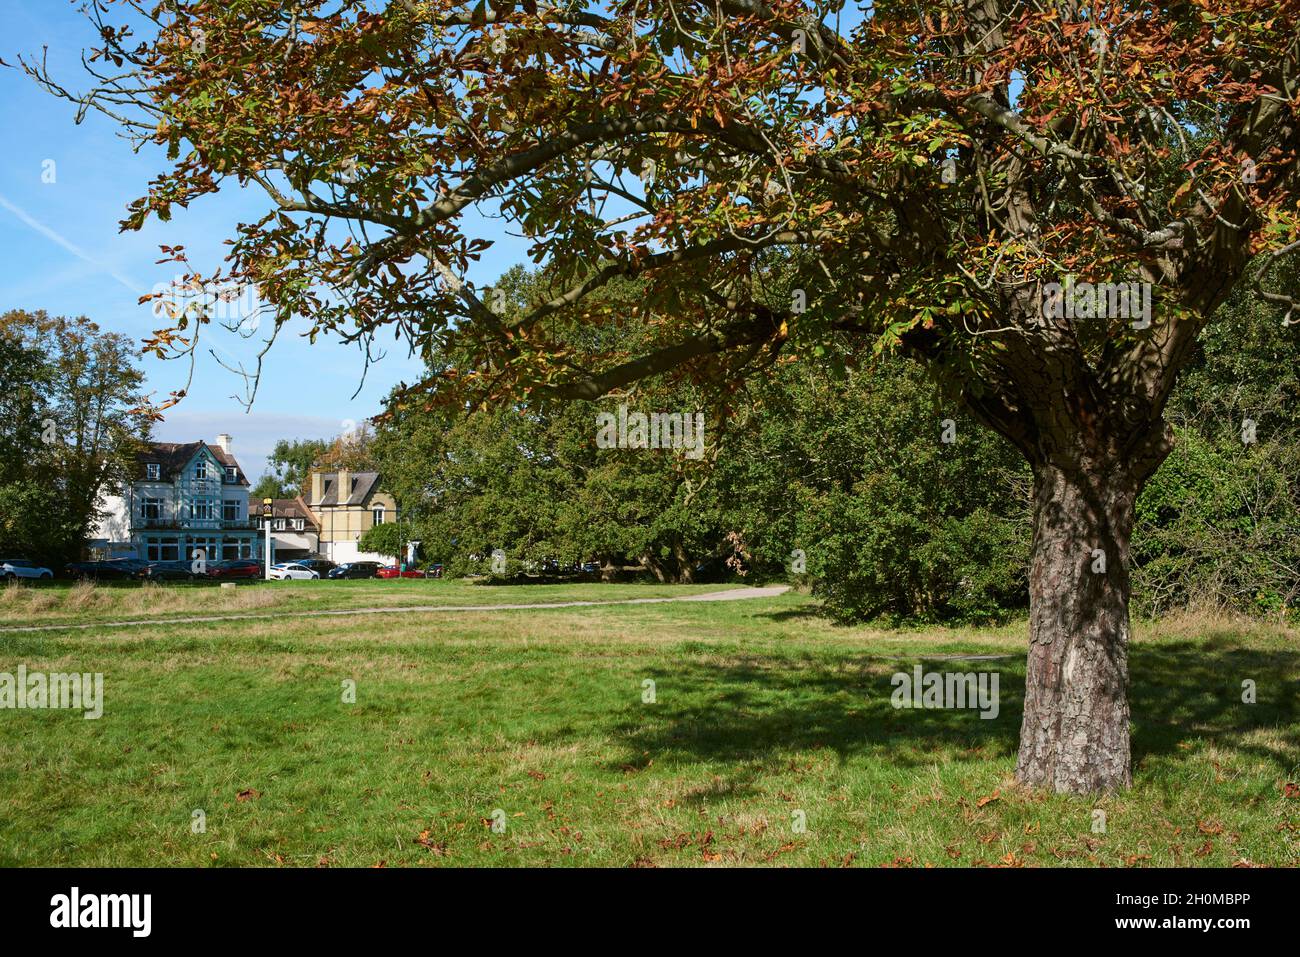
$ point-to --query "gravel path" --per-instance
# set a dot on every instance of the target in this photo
(731, 594)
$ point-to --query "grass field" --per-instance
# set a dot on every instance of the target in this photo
(23, 604)
(765, 715)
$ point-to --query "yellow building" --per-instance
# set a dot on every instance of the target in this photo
(345, 504)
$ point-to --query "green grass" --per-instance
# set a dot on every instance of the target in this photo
(763, 709)
(23, 603)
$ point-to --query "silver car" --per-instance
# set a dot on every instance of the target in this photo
(12, 568)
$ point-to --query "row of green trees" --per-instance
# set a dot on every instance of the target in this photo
(70, 423)
(867, 483)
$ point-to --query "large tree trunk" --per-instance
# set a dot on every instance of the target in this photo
(1075, 735)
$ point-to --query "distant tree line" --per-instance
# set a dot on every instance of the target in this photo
(866, 483)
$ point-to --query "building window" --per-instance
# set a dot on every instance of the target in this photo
(151, 508)
(298, 524)
(230, 510)
(153, 472)
(232, 474)
(201, 469)
(204, 510)
(163, 550)
(208, 546)
(378, 514)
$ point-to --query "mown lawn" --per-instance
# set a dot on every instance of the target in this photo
(26, 603)
(763, 710)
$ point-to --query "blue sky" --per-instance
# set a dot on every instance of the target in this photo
(60, 250)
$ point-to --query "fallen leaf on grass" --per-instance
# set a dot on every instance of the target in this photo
(437, 847)
(248, 794)
(990, 799)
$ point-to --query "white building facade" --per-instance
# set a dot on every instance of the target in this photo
(184, 498)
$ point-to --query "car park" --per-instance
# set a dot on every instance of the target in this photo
(235, 569)
(292, 571)
(12, 569)
(111, 569)
(166, 572)
(394, 571)
(321, 566)
(355, 570)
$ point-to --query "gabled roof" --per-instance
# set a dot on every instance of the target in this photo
(174, 456)
(292, 508)
(363, 483)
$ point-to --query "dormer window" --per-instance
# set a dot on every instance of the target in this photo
(153, 472)
(232, 474)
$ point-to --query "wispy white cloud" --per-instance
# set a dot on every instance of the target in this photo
(70, 246)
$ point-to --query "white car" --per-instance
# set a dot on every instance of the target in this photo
(292, 570)
(11, 568)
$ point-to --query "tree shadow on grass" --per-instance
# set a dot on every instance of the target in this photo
(768, 709)
(1193, 690)
(802, 613)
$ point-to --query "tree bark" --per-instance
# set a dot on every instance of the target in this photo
(1075, 734)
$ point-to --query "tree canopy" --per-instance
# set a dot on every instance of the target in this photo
(71, 420)
(1045, 202)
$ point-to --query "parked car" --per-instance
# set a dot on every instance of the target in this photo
(166, 572)
(355, 570)
(12, 568)
(112, 569)
(292, 570)
(321, 566)
(394, 571)
(235, 568)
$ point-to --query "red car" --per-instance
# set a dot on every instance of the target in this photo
(236, 568)
(393, 571)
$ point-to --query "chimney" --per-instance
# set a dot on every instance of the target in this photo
(317, 487)
(345, 486)
(224, 441)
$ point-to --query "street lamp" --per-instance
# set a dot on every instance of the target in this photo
(267, 510)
